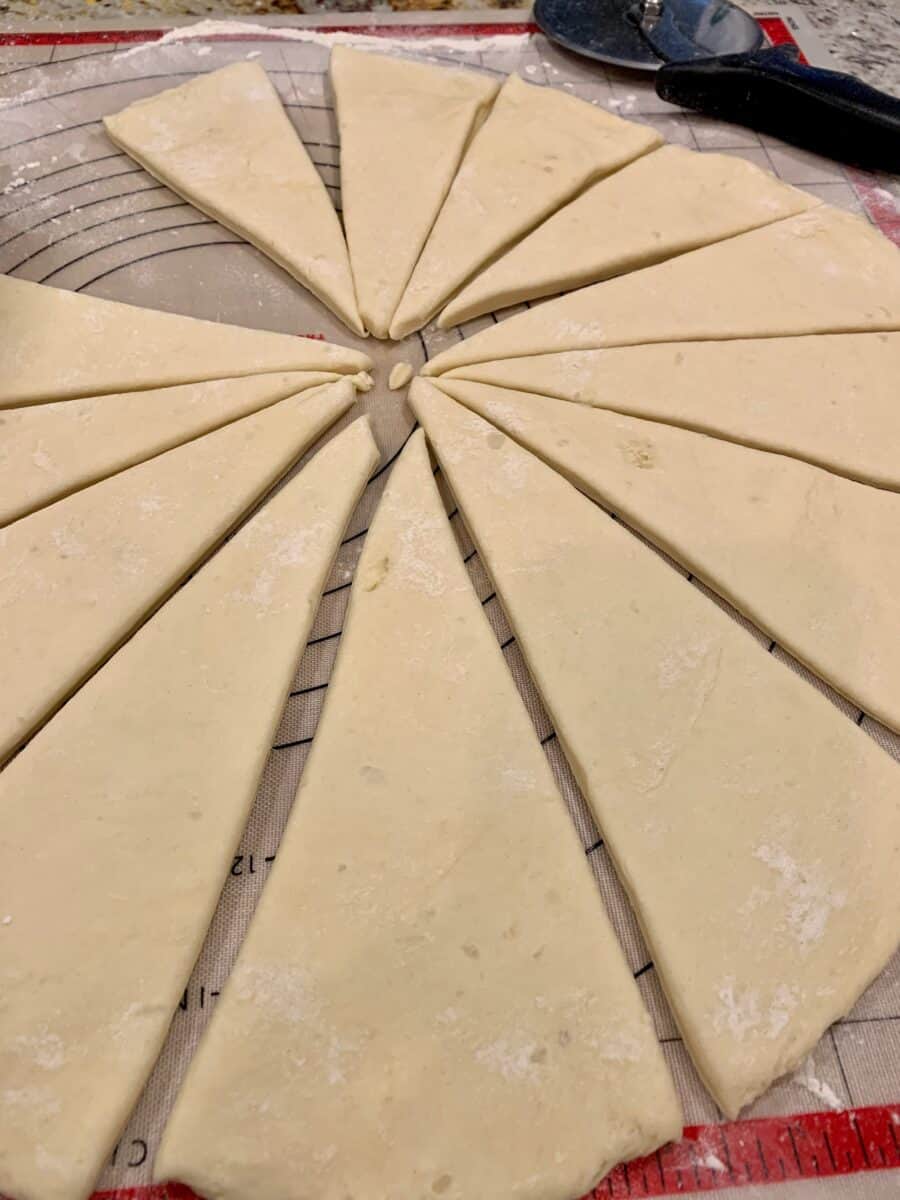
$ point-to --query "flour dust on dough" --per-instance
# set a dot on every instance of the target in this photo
(78, 577)
(430, 999)
(830, 399)
(536, 150)
(121, 819)
(755, 828)
(665, 203)
(224, 142)
(403, 128)
(808, 556)
(48, 451)
(822, 271)
(58, 345)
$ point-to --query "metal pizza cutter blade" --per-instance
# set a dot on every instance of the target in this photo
(709, 55)
(643, 37)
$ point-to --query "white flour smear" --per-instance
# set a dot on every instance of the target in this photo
(203, 30)
(806, 1076)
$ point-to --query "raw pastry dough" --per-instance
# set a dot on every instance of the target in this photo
(50, 450)
(401, 374)
(404, 127)
(120, 820)
(828, 398)
(756, 829)
(537, 148)
(664, 204)
(57, 345)
(823, 271)
(363, 381)
(224, 142)
(430, 1000)
(76, 578)
(809, 556)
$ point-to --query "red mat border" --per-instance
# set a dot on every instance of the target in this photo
(709, 1158)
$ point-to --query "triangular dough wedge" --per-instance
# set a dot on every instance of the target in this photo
(755, 828)
(155, 762)
(224, 142)
(830, 399)
(430, 999)
(57, 345)
(809, 556)
(664, 204)
(537, 148)
(48, 451)
(823, 271)
(78, 577)
(404, 127)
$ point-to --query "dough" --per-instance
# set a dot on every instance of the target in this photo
(664, 204)
(120, 821)
(57, 345)
(535, 151)
(823, 271)
(224, 142)
(401, 374)
(403, 129)
(430, 1000)
(810, 557)
(756, 829)
(78, 577)
(829, 398)
(50, 450)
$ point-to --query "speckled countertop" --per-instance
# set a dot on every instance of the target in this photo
(862, 36)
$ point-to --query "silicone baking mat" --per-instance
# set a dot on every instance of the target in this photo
(76, 213)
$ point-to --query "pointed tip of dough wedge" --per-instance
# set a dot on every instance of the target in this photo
(236, 115)
(420, 391)
(361, 431)
(347, 361)
(454, 314)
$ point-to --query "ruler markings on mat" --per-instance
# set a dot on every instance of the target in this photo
(762, 1150)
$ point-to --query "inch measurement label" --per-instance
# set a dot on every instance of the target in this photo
(764, 1150)
(709, 1157)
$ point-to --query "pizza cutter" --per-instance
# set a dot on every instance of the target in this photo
(709, 55)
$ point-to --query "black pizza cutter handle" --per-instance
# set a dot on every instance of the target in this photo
(834, 114)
